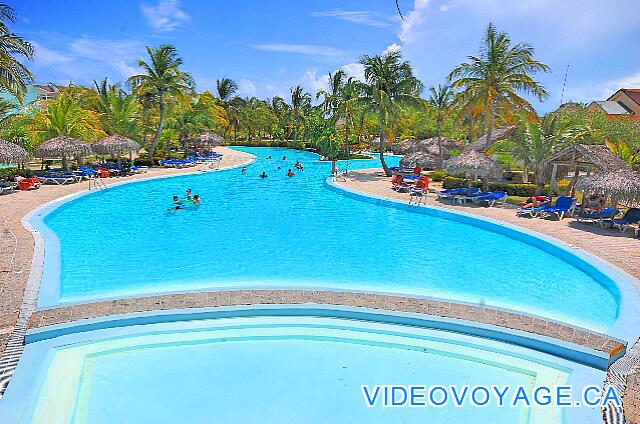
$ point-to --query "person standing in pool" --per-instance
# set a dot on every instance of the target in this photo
(188, 194)
(290, 173)
(263, 175)
(177, 203)
(244, 169)
(284, 158)
(196, 200)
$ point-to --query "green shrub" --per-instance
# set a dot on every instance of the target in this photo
(142, 162)
(438, 175)
(8, 173)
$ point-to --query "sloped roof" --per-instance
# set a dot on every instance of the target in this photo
(596, 154)
(614, 108)
(633, 93)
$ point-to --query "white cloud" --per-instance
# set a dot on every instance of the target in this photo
(356, 17)
(308, 49)
(165, 16)
(247, 88)
(630, 81)
(273, 91)
(392, 49)
(46, 57)
(445, 7)
(313, 83)
(355, 70)
(413, 19)
(119, 54)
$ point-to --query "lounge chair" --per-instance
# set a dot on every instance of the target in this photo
(532, 212)
(470, 196)
(596, 217)
(631, 217)
(7, 188)
(564, 205)
(55, 178)
(492, 199)
(419, 192)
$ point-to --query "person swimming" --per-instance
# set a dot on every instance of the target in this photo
(244, 169)
(279, 168)
(263, 175)
(177, 203)
(188, 194)
(284, 158)
(290, 173)
(269, 157)
(196, 200)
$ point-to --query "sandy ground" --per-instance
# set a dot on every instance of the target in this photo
(16, 243)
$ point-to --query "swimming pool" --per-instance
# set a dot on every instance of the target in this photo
(273, 369)
(294, 232)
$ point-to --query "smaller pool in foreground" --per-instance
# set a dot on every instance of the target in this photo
(272, 370)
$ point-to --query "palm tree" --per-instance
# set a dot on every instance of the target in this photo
(119, 111)
(14, 76)
(161, 76)
(390, 84)
(497, 76)
(538, 141)
(226, 88)
(441, 99)
(341, 101)
(65, 116)
(300, 102)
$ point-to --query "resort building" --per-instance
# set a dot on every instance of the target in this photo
(36, 92)
(625, 101)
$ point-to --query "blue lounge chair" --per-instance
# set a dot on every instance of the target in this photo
(596, 217)
(492, 198)
(470, 196)
(564, 205)
(631, 217)
(6, 188)
(532, 212)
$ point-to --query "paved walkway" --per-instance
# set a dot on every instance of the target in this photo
(620, 249)
(16, 243)
(431, 307)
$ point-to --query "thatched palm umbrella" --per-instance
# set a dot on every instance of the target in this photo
(422, 159)
(115, 144)
(208, 138)
(63, 146)
(11, 153)
(473, 164)
(620, 185)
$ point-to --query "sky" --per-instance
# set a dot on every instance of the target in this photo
(269, 46)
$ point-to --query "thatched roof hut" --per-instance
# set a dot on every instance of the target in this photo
(62, 146)
(588, 156)
(473, 163)
(429, 145)
(618, 185)
(482, 144)
(114, 144)
(422, 159)
(11, 153)
(209, 139)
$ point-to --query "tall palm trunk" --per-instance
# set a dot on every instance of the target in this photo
(386, 169)
(440, 152)
(156, 137)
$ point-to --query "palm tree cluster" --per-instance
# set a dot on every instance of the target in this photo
(160, 108)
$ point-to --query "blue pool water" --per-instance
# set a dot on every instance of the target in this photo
(278, 370)
(291, 232)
